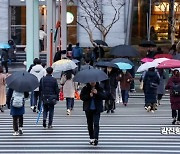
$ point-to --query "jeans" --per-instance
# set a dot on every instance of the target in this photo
(93, 118)
(70, 103)
(50, 109)
(17, 122)
(175, 113)
(36, 99)
(125, 95)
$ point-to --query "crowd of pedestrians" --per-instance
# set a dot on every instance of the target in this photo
(96, 96)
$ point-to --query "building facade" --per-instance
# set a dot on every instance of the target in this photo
(13, 21)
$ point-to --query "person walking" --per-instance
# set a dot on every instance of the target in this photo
(68, 89)
(92, 96)
(161, 86)
(42, 34)
(17, 109)
(4, 59)
(77, 53)
(150, 83)
(125, 79)
(110, 86)
(12, 51)
(2, 89)
(48, 87)
(174, 99)
(39, 72)
(69, 51)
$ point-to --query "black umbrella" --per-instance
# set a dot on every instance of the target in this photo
(124, 60)
(90, 75)
(100, 42)
(22, 81)
(105, 64)
(146, 43)
(124, 51)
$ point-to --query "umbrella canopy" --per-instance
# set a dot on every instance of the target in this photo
(124, 51)
(124, 60)
(100, 42)
(22, 81)
(123, 66)
(169, 56)
(105, 64)
(146, 43)
(160, 60)
(146, 66)
(63, 65)
(147, 60)
(4, 46)
(172, 63)
(90, 75)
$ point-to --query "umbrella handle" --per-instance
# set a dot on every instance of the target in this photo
(39, 114)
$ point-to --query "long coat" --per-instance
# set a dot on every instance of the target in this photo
(174, 100)
(98, 98)
(2, 89)
(161, 86)
(125, 80)
(68, 87)
(150, 93)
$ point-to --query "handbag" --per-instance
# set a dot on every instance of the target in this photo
(76, 95)
(61, 95)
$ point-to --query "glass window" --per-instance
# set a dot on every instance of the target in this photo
(18, 24)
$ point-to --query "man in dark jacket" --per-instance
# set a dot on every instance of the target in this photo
(4, 59)
(48, 87)
(92, 96)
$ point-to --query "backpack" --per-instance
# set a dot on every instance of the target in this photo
(17, 99)
(176, 89)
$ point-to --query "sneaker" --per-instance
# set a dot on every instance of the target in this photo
(112, 111)
(34, 109)
(50, 126)
(145, 107)
(152, 111)
(68, 111)
(125, 104)
(91, 142)
(95, 142)
(174, 121)
(148, 108)
(16, 133)
(20, 131)
(177, 123)
(107, 111)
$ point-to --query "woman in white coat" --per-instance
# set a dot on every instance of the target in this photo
(68, 89)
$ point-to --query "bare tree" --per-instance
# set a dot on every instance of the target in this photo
(93, 16)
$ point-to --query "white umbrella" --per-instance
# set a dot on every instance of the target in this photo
(159, 60)
(146, 66)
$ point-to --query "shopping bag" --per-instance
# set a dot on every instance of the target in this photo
(76, 95)
(61, 96)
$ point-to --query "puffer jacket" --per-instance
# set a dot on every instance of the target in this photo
(39, 72)
(49, 86)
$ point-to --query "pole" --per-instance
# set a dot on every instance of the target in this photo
(51, 47)
(149, 27)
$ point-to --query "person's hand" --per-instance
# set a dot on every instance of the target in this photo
(91, 94)
(94, 91)
(128, 80)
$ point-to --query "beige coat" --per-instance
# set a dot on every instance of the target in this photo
(68, 87)
(2, 89)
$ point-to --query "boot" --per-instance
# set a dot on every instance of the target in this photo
(1, 108)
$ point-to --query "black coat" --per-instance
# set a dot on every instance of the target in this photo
(150, 93)
(98, 98)
(49, 86)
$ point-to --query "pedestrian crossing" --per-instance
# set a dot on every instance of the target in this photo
(129, 130)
